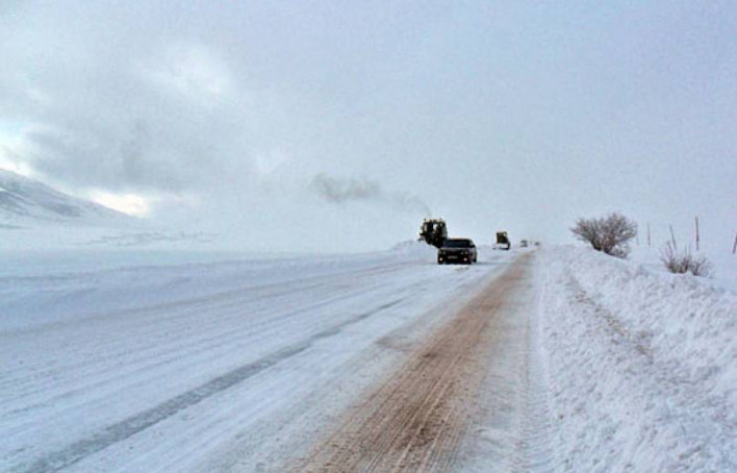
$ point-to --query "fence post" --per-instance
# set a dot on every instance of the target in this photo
(734, 248)
(637, 234)
(673, 237)
(697, 233)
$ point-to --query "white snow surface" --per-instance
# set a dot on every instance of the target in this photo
(180, 361)
(226, 366)
(723, 264)
(642, 366)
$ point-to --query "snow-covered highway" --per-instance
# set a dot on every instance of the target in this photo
(561, 359)
(215, 366)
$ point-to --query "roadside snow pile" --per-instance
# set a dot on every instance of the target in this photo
(416, 249)
(642, 366)
(724, 264)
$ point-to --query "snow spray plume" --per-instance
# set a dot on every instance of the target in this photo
(411, 202)
(338, 190)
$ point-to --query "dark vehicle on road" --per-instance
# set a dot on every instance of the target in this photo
(457, 250)
(502, 241)
(434, 231)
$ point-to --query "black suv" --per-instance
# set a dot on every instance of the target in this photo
(461, 250)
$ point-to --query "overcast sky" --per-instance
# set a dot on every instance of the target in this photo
(336, 124)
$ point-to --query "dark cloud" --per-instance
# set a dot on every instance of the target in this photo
(340, 190)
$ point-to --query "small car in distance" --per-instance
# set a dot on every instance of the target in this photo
(457, 250)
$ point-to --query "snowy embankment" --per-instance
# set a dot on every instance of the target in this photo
(642, 366)
(204, 367)
(723, 263)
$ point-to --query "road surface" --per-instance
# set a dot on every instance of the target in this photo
(383, 362)
(419, 418)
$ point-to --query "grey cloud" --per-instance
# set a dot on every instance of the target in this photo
(121, 112)
(132, 152)
(111, 162)
(176, 102)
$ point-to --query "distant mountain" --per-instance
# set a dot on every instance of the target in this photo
(26, 201)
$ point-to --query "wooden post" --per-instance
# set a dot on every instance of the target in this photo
(734, 248)
(637, 233)
(673, 237)
(648, 234)
(697, 233)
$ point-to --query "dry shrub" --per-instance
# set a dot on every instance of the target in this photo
(610, 234)
(682, 262)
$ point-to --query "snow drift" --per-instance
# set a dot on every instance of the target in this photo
(643, 366)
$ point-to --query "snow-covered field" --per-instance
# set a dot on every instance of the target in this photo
(168, 361)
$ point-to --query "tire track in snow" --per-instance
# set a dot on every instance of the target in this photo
(146, 359)
(234, 295)
(417, 419)
(142, 421)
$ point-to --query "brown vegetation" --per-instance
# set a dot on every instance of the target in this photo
(681, 262)
(610, 234)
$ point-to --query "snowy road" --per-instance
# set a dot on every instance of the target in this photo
(202, 367)
(561, 360)
(459, 402)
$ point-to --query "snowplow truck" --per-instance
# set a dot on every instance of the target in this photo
(502, 241)
(434, 232)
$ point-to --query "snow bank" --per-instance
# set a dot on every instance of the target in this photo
(415, 249)
(643, 366)
(724, 270)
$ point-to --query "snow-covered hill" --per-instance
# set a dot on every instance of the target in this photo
(25, 201)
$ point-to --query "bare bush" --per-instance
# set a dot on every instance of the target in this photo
(682, 262)
(610, 234)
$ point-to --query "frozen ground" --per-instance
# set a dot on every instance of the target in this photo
(558, 360)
